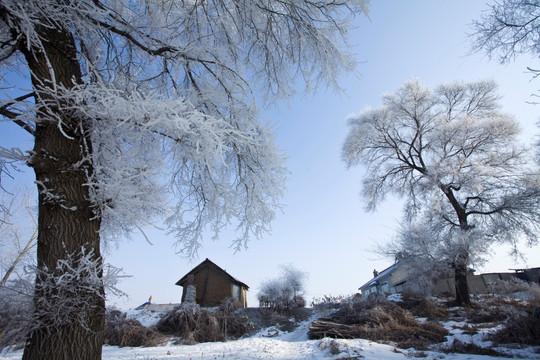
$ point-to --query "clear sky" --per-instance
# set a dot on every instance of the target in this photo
(323, 229)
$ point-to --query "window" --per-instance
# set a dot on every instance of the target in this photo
(236, 292)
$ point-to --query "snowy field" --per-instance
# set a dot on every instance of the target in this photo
(270, 343)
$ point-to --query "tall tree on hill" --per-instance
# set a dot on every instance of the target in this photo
(455, 158)
(125, 93)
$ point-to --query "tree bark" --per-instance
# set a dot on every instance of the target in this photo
(67, 223)
(462, 289)
(460, 263)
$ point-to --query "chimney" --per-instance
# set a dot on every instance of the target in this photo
(375, 273)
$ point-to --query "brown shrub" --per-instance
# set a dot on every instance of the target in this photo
(231, 324)
(420, 306)
(195, 325)
(378, 320)
(469, 348)
(495, 309)
(498, 301)
(15, 313)
(121, 331)
(522, 329)
(192, 324)
(487, 315)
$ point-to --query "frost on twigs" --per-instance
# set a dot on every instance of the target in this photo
(15, 310)
(165, 99)
(220, 171)
(73, 291)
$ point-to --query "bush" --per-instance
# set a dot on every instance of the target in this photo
(495, 309)
(15, 313)
(191, 324)
(521, 329)
(379, 320)
(488, 315)
(469, 348)
(420, 306)
(195, 325)
(232, 327)
(328, 300)
(121, 331)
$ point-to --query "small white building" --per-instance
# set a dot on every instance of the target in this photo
(389, 281)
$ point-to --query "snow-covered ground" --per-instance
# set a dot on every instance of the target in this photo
(270, 343)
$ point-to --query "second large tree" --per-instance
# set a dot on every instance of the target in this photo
(454, 157)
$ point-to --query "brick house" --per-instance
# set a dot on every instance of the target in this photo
(213, 284)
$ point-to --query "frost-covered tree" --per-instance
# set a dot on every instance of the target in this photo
(131, 100)
(285, 291)
(455, 158)
(294, 279)
(507, 29)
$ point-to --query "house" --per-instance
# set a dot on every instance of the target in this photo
(213, 284)
(389, 281)
(398, 276)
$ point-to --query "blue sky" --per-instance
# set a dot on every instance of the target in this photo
(324, 229)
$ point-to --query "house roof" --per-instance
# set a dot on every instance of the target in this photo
(389, 270)
(205, 263)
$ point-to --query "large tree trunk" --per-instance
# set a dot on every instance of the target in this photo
(460, 278)
(462, 257)
(68, 228)
(462, 289)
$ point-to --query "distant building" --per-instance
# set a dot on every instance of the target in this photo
(397, 277)
(213, 284)
(389, 281)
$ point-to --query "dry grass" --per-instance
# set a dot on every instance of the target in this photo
(195, 325)
(494, 310)
(470, 348)
(284, 320)
(14, 323)
(500, 301)
(487, 315)
(379, 320)
(121, 331)
(521, 329)
(192, 324)
(15, 315)
(420, 306)
(232, 326)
